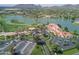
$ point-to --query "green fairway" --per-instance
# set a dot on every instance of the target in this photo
(15, 27)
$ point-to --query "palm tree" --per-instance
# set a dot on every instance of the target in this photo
(66, 29)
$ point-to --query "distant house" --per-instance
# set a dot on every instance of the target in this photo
(32, 28)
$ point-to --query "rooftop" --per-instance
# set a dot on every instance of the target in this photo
(58, 31)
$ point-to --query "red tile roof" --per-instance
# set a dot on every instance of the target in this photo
(58, 31)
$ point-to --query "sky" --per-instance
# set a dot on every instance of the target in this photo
(7, 5)
(43, 2)
(39, 1)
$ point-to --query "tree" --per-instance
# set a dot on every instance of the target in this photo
(73, 18)
(75, 32)
(59, 25)
(77, 45)
(56, 49)
(66, 29)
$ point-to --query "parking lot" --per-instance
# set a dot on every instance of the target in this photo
(19, 47)
(63, 43)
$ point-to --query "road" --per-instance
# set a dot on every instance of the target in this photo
(13, 33)
(28, 48)
(6, 46)
(19, 46)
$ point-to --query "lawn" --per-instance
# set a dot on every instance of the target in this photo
(29, 37)
(71, 51)
(1, 38)
(14, 27)
(37, 50)
(75, 23)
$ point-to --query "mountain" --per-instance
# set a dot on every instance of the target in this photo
(71, 6)
(67, 6)
(31, 6)
(27, 6)
(4, 7)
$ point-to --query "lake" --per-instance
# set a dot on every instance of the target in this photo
(62, 22)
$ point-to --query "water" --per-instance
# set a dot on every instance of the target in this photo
(62, 22)
(21, 18)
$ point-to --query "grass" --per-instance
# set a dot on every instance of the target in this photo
(75, 23)
(71, 51)
(2, 38)
(14, 27)
(37, 50)
(50, 45)
(16, 24)
(29, 37)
